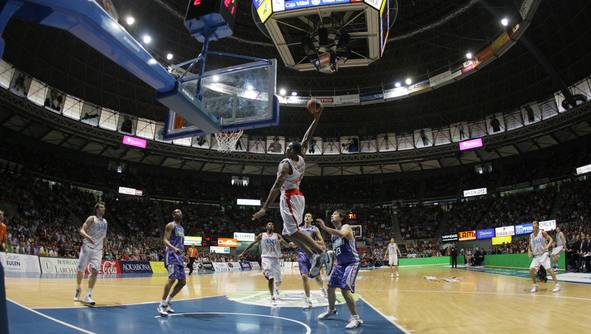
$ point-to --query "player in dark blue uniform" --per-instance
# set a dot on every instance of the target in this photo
(345, 272)
(174, 241)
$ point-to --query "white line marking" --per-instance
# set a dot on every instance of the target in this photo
(386, 317)
(116, 305)
(51, 318)
(308, 329)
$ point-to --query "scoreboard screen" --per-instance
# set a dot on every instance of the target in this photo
(197, 9)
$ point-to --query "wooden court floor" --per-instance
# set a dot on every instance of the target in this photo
(475, 303)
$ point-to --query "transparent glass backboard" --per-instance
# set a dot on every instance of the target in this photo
(234, 98)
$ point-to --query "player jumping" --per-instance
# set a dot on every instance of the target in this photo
(292, 201)
(174, 242)
(345, 272)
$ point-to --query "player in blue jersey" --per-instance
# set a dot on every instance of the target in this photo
(345, 272)
(174, 242)
(304, 260)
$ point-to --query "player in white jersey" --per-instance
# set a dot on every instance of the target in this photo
(94, 232)
(292, 201)
(392, 254)
(304, 261)
(559, 247)
(539, 242)
(270, 256)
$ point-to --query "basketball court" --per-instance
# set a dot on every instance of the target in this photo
(449, 301)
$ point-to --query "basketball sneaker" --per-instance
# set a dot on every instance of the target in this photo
(77, 295)
(307, 304)
(354, 322)
(534, 288)
(274, 301)
(163, 310)
(169, 308)
(326, 315)
(556, 288)
(88, 300)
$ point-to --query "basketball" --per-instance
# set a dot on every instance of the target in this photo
(314, 106)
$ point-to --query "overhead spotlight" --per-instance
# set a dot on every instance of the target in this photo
(216, 78)
(169, 56)
(147, 39)
(282, 92)
(130, 20)
(294, 93)
(249, 87)
(408, 81)
(152, 61)
(469, 55)
(504, 21)
(397, 84)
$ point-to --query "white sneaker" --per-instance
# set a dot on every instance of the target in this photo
(307, 304)
(88, 300)
(556, 288)
(162, 309)
(273, 301)
(169, 308)
(326, 315)
(77, 295)
(353, 323)
(534, 289)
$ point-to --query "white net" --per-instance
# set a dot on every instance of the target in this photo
(227, 140)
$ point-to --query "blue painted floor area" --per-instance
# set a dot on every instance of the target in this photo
(207, 315)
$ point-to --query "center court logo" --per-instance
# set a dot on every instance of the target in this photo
(287, 298)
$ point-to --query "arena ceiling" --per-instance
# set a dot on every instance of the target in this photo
(427, 37)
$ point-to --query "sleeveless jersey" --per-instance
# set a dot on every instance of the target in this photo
(297, 174)
(345, 250)
(537, 244)
(177, 237)
(98, 232)
(310, 231)
(392, 250)
(559, 242)
(270, 246)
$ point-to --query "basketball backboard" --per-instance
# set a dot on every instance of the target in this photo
(233, 98)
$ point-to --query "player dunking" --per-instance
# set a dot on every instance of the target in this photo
(539, 242)
(345, 272)
(304, 261)
(292, 201)
(560, 243)
(94, 232)
(174, 242)
(392, 254)
(270, 255)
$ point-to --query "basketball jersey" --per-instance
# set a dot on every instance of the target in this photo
(311, 232)
(538, 244)
(177, 237)
(559, 242)
(345, 250)
(270, 246)
(297, 174)
(392, 249)
(98, 232)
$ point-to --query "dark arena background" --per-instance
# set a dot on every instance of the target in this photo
(145, 145)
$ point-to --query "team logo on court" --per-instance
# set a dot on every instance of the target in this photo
(287, 298)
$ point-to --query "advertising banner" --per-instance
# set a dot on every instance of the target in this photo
(205, 267)
(548, 225)
(158, 267)
(245, 265)
(128, 267)
(449, 237)
(501, 240)
(255, 265)
(240, 236)
(221, 267)
(53, 265)
(485, 234)
(467, 235)
(20, 263)
(524, 229)
(227, 242)
(108, 267)
(234, 266)
(504, 231)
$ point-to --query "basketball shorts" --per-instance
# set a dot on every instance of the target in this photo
(343, 276)
(89, 256)
(271, 268)
(175, 266)
(392, 260)
(292, 205)
(541, 260)
(557, 250)
(304, 263)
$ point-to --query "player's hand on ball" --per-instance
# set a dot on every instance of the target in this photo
(259, 214)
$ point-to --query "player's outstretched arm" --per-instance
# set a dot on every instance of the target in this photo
(310, 132)
(342, 233)
(275, 189)
(256, 241)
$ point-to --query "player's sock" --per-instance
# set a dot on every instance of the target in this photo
(167, 300)
(89, 292)
(163, 302)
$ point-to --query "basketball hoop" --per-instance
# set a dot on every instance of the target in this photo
(227, 140)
